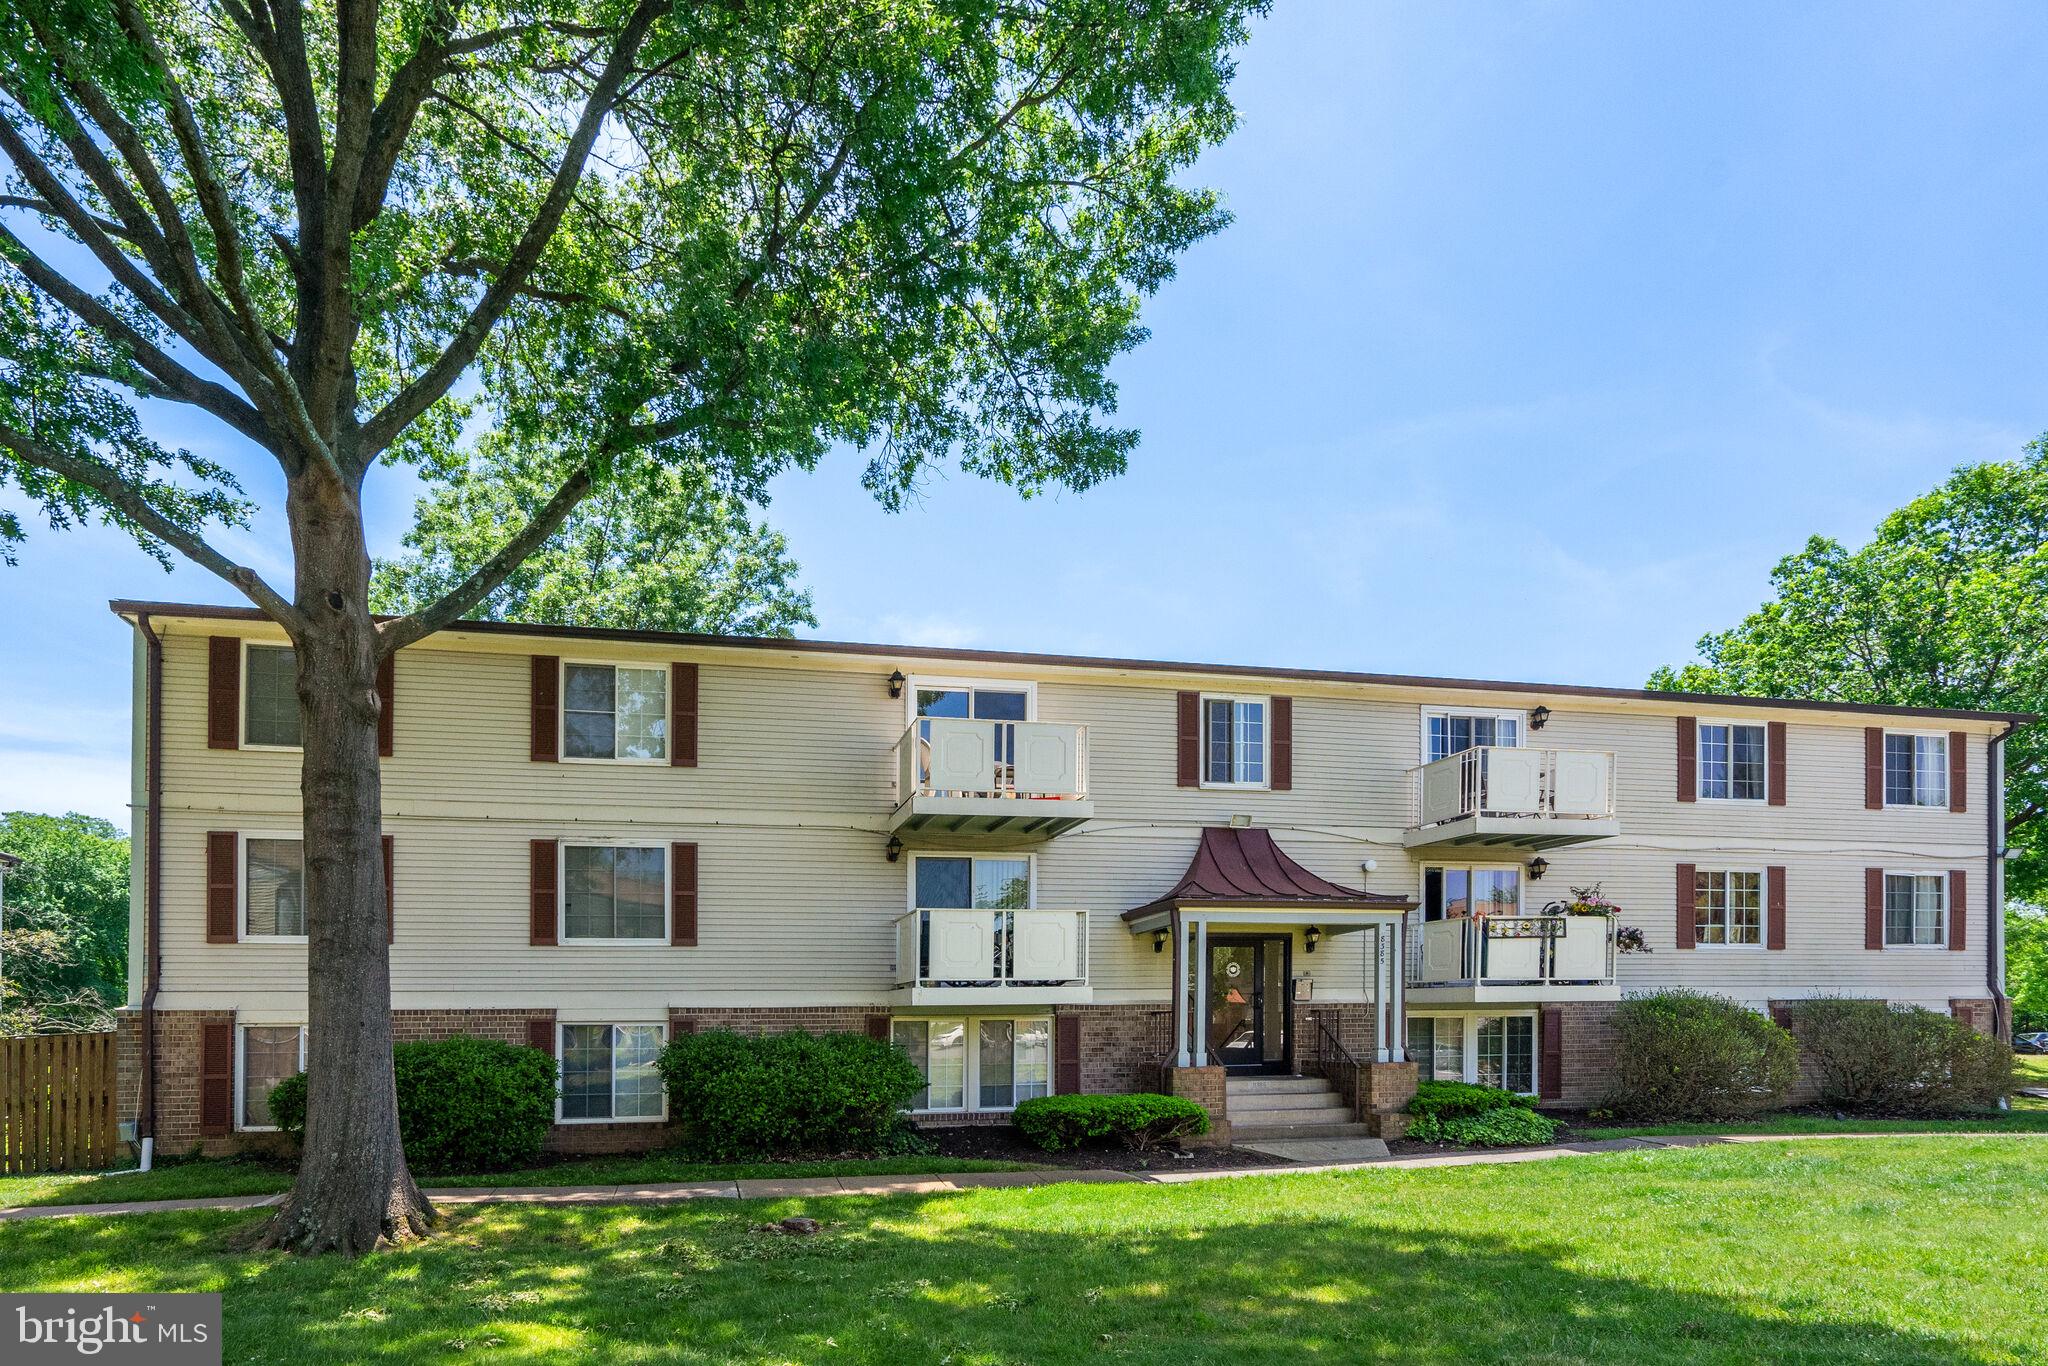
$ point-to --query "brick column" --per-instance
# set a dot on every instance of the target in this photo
(1204, 1086)
(1385, 1088)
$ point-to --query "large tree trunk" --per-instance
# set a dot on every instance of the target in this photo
(353, 1191)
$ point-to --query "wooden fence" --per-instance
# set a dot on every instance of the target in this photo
(57, 1103)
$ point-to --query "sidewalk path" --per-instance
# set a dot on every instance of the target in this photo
(771, 1188)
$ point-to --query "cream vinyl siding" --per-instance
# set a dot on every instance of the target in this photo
(796, 778)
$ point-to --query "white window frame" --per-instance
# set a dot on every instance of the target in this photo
(1946, 768)
(1699, 763)
(1265, 701)
(1763, 923)
(242, 838)
(1495, 714)
(668, 709)
(910, 890)
(560, 1024)
(952, 683)
(240, 1102)
(1422, 886)
(242, 708)
(1942, 884)
(1471, 1042)
(668, 873)
(970, 1079)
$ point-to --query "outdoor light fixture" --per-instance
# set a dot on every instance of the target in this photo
(1159, 941)
(1311, 937)
(1538, 866)
(894, 848)
(1538, 717)
(896, 683)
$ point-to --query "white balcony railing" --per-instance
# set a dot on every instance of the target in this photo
(1501, 950)
(943, 756)
(1025, 948)
(1509, 781)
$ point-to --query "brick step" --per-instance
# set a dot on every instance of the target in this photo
(1252, 1133)
(1262, 1086)
(1314, 1110)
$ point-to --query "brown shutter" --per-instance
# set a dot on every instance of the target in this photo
(1066, 1050)
(682, 715)
(546, 721)
(1688, 758)
(1873, 768)
(1550, 1067)
(679, 1025)
(223, 913)
(1688, 906)
(878, 1028)
(216, 1077)
(1188, 758)
(1774, 907)
(1873, 908)
(682, 896)
(1958, 910)
(541, 1034)
(387, 697)
(1774, 749)
(1958, 771)
(1280, 736)
(1781, 1015)
(223, 693)
(541, 856)
(390, 917)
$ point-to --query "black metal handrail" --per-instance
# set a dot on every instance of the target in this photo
(1333, 1061)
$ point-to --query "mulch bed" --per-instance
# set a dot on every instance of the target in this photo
(1001, 1143)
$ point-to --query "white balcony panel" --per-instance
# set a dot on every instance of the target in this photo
(962, 945)
(963, 755)
(1514, 781)
(1506, 958)
(1581, 954)
(1585, 780)
(1443, 950)
(958, 776)
(1047, 760)
(1515, 798)
(1044, 946)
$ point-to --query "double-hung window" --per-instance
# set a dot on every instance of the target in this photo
(1731, 762)
(1728, 907)
(270, 697)
(613, 712)
(1491, 1050)
(608, 1071)
(273, 888)
(1453, 732)
(1234, 741)
(268, 1054)
(614, 892)
(1915, 910)
(1915, 770)
(981, 1063)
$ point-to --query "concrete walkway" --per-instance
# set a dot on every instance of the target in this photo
(773, 1188)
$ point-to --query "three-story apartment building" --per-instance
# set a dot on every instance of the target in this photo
(1005, 862)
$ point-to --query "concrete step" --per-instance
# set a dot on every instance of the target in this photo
(1307, 1133)
(1286, 1100)
(1263, 1086)
(1334, 1112)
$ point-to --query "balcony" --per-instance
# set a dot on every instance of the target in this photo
(1011, 958)
(1477, 959)
(1020, 779)
(1515, 798)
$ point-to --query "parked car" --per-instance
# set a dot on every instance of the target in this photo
(2037, 1042)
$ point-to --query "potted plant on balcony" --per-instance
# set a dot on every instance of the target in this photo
(1591, 901)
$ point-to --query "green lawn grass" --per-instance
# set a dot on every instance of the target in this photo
(188, 1179)
(2026, 1116)
(2033, 1068)
(1894, 1250)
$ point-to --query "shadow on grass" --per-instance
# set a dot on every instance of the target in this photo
(902, 1280)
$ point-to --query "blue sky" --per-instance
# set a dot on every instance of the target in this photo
(1542, 332)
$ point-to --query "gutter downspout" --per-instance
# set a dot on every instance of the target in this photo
(152, 887)
(1994, 958)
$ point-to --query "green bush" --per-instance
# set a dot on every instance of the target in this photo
(1461, 1099)
(1504, 1126)
(736, 1096)
(1142, 1121)
(1687, 1056)
(1876, 1058)
(464, 1104)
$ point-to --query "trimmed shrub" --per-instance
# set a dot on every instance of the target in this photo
(1503, 1126)
(1461, 1099)
(736, 1096)
(1141, 1122)
(1877, 1058)
(464, 1104)
(1688, 1056)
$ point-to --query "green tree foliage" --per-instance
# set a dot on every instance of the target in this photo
(64, 949)
(1946, 606)
(2026, 967)
(676, 556)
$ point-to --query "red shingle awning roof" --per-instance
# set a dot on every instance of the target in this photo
(1244, 867)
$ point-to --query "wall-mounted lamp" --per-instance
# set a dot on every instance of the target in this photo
(1311, 937)
(893, 849)
(896, 683)
(1371, 865)
(1159, 941)
(1539, 718)
(1538, 866)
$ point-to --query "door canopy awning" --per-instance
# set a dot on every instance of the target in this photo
(1244, 870)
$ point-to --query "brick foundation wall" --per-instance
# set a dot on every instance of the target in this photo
(1121, 1046)
(1206, 1087)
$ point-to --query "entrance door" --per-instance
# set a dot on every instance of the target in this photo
(1248, 1007)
